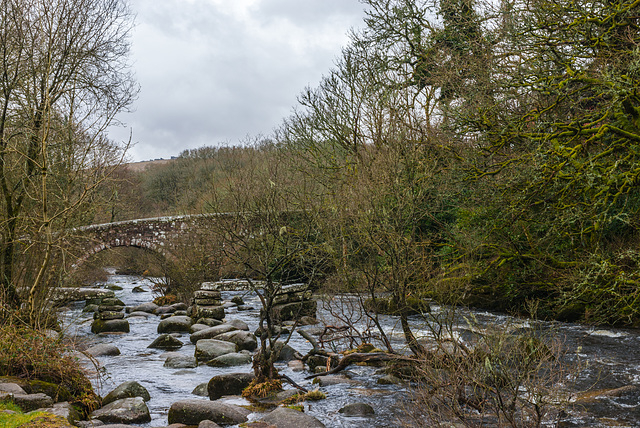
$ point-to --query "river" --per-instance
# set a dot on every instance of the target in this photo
(608, 359)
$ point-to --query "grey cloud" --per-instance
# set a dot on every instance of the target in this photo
(210, 76)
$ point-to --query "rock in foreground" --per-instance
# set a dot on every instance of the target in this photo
(192, 412)
(124, 411)
(228, 384)
(283, 417)
(127, 390)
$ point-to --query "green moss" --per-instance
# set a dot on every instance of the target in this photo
(11, 416)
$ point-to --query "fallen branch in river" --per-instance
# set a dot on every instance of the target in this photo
(363, 358)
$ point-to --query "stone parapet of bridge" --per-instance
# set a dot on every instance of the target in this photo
(159, 234)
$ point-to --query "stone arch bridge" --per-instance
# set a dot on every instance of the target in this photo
(161, 235)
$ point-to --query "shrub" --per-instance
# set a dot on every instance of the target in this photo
(165, 300)
(258, 388)
(504, 379)
(32, 355)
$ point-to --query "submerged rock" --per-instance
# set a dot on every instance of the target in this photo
(334, 380)
(357, 409)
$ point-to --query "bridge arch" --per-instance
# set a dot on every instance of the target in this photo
(160, 235)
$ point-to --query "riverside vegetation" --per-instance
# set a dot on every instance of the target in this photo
(466, 152)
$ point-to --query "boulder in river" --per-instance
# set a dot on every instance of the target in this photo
(285, 352)
(166, 341)
(103, 350)
(198, 327)
(211, 322)
(357, 410)
(239, 324)
(228, 384)
(208, 424)
(207, 294)
(126, 411)
(295, 310)
(216, 312)
(230, 360)
(112, 301)
(334, 380)
(245, 340)
(180, 362)
(175, 324)
(208, 349)
(201, 390)
(127, 390)
(211, 332)
(148, 307)
(63, 295)
(139, 314)
(192, 412)
(110, 326)
(107, 315)
(283, 417)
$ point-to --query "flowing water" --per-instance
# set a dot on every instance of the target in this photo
(608, 359)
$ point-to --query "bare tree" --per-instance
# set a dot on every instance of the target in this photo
(65, 77)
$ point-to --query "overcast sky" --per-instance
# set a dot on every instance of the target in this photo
(213, 72)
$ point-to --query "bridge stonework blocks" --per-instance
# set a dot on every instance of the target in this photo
(159, 235)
